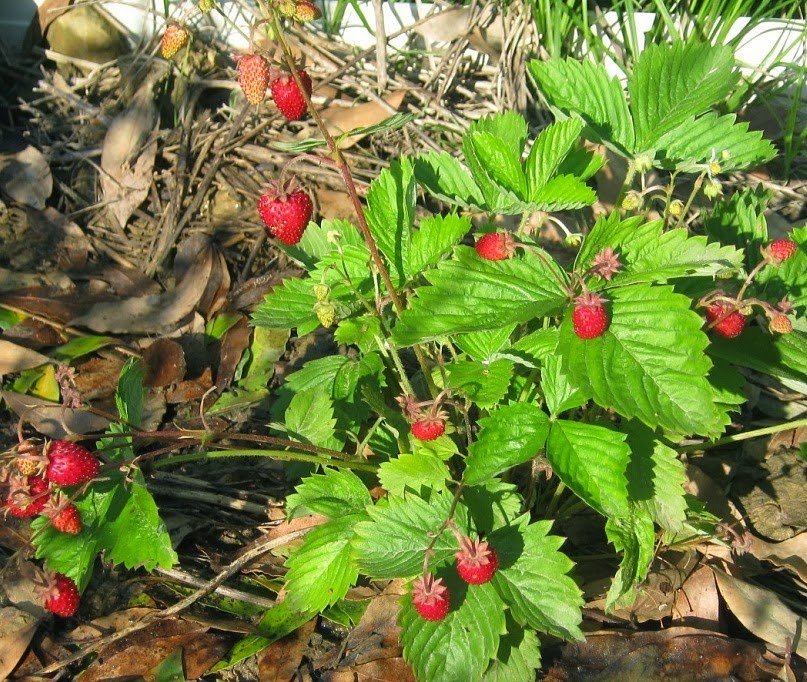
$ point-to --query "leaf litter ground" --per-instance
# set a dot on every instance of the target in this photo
(128, 224)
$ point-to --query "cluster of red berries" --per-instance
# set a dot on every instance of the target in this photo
(476, 564)
(33, 487)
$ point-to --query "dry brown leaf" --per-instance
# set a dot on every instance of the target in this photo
(25, 177)
(17, 629)
(165, 365)
(763, 613)
(13, 281)
(86, 32)
(280, 661)
(790, 554)
(155, 314)
(48, 12)
(697, 603)
(51, 419)
(14, 358)
(339, 119)
(126, 159)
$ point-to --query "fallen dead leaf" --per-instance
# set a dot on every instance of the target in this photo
(280, 661)
(14, 358)
(697, 603)
(790, 554)
(164, 362)
(14, 281)
(51, 419)
(25, 177)
(339, 119)
(763, 613)
(17, 629)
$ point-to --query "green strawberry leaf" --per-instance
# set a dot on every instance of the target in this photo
(550, 149)
(467, 639)
(445, 177)
(393, 543)
(492, 505)
(433, 240)
(322, 570)
(518, 657)
(740, 221)
(509, 436)
(584, 89)
(309, 419)
(484, 344)
(471, 294)
(485, 383)
(390, 215)
(671, 83)
(562, 193)
(655, 478)
(649, 363)
(410, 471)
(333, 493)
(496, 170)
(781, 356)
(560, 395)
(533, 579)
(510, 127)
(288, 306)
(635, 537)
(316, 243)
(591, 460)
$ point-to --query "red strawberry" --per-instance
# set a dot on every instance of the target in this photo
(27, 496)
(70, 463)
(781, 249)
(589, 317)
(61, 595)
(66, 518)
(495, 246)
(430, 598)
(253, 77)
(287, 95)
(729, 326)
(175, 37)
(476, 561)
(285, 212)
(428, 428)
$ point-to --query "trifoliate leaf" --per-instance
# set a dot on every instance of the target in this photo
(393, 543)
(649, 363)
(671, 83)
(413, 471)
(461, 646)
(496, 170)
(334, 493)
(469, 294)
(321, 570)
(655, 477)
(583, 88)
(533, 579)
(509, 126)
(511, 435)
(591, 460)
(634, 536)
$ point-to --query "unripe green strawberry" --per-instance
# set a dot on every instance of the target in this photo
(286, 212)
(430, 598)
(70, 463)
(253, 77)
(730, 325)
(589, 317)
(286, 8)
(288, 97)
(206, 5)
(175, 37)
(326, 313)
(495, 246)
(781, 250)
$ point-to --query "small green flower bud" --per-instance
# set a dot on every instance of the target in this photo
(676, 208)
(206, 5)
(573, 240)
(632, 201)
(725, 273)
(643, 163)
(714, 168)
(712, 188)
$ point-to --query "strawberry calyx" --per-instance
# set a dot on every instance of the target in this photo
(430, 597)
(476, 560)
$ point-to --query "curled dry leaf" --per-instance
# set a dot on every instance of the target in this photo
(51, 419)
(14, 358)
(25, 177)
(339, 119)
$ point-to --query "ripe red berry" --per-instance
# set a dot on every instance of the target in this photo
(428, 428)
(495, 246)
(781, 249)
(589, 317)
(70, 463)
(174, 38)
(287, 95)
(61, 596)
(27, 496)
(67, 519)
(476, 561)
(285, 213)
(253, 77)
(731, 325)
(430, 598)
